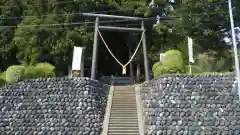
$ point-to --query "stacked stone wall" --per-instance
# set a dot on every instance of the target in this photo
(191, 105)
(53, 106)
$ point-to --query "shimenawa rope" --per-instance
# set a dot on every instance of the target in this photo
(124, 66)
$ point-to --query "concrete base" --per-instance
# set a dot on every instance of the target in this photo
(108, 111)
(140, 111)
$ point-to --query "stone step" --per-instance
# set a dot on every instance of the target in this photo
(122, 128)
(122, 101)
(124, 96)
(123, 108)
(123, 131)
(115, 113)
(127, 123)
(123, 116)
(127, 117)
(122, 125)
(123, 104)
(124, 92)
(123, 120)
(124, 89)
(124, 112)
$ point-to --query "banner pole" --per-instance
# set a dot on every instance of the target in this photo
(190, 67)
(235, 48)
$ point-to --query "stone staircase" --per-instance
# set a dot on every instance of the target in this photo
(123, 116)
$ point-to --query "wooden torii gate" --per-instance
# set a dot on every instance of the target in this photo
(95, 43)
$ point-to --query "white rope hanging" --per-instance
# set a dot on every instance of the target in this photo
(124, 66)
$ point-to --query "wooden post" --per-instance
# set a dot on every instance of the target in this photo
(95, 47)
(70, 71)
(138, 73)
(147, 73)
(82, 63)
(131, 65)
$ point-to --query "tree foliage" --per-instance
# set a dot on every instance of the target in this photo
(36, 33)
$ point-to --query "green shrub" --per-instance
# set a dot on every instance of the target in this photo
(172, 63)
(3, 75)
(2, 79)
(195, 69)
(155, 66)
(33, 72)
(159, 71)
(2, 82)
(46, 68)
(14, 73)
(205, 62)
(208, 62)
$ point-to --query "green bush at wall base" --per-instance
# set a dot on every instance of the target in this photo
(194, 69)
(172, 63)
(3, 75)
(2, 82)
(32, 72)
(3, 79)
(46, 68)
(14, 73)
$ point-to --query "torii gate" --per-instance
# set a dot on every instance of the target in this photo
(96, 31)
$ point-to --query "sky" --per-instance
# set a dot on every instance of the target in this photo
(228, 37)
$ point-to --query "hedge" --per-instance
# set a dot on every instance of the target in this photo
(33, 72)
(14, 73)
(46, 68)
(172, 63)
(2, 79)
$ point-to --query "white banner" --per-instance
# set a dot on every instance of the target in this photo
(77, 58)
(190, 50)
